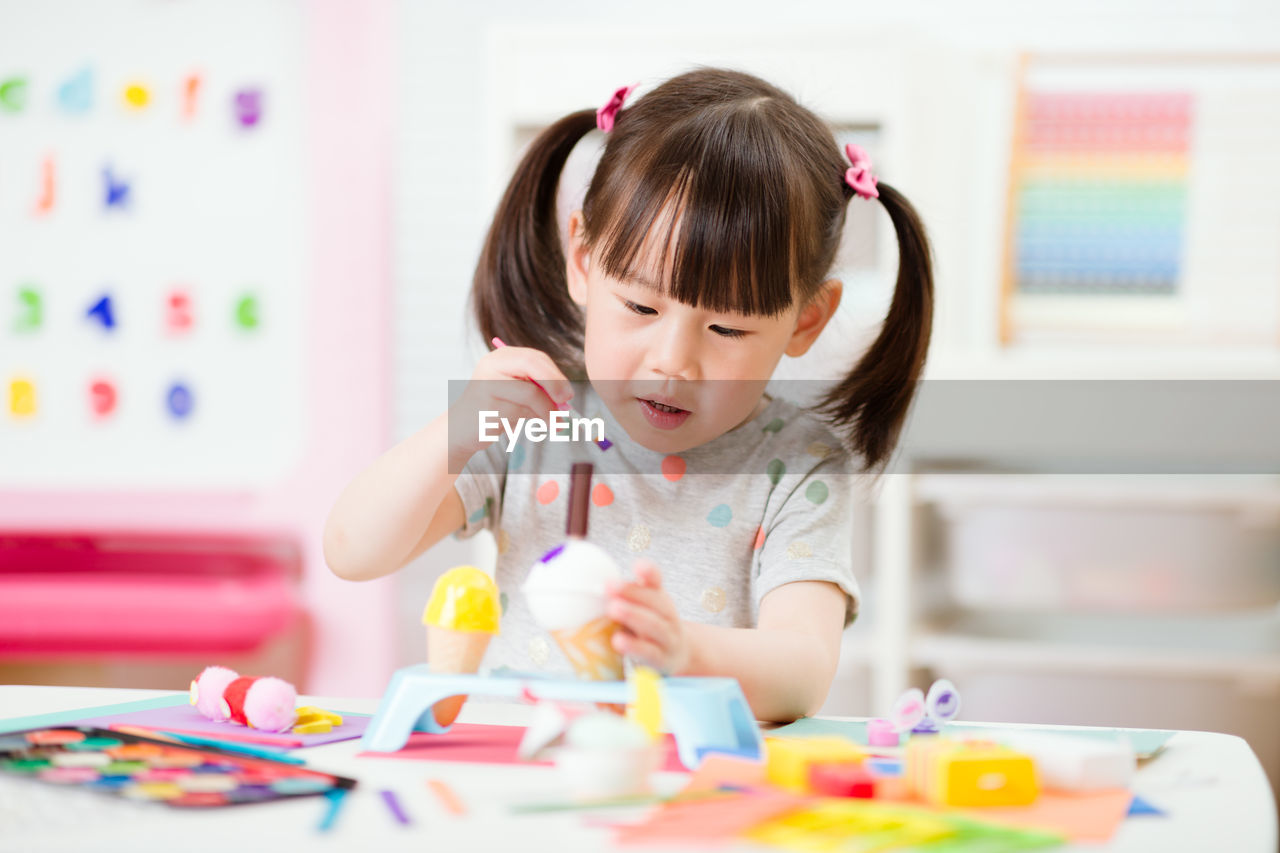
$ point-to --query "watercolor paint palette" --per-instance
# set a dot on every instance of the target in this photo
(152, 770)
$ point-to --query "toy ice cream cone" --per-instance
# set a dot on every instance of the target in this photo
(461, 617)
(566, 592)
(590, 649)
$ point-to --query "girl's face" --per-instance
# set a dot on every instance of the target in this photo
(672, 375)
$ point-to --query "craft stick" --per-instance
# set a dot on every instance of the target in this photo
(579, 499)
(393, 803)
(447, 797)
(335, 797)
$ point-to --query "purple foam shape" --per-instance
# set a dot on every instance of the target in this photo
(248, 107)
(185, 718)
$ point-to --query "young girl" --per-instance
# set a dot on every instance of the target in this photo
(699, 258)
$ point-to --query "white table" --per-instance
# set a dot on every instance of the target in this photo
(1211, 786)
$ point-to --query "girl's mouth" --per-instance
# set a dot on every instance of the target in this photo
(661, 415)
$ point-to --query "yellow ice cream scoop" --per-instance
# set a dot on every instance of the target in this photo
(464, 599)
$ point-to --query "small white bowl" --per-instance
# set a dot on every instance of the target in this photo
(604, 773)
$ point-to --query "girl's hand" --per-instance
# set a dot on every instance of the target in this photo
(504, 382)
(652, 632)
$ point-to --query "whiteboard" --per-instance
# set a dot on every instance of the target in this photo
(152, 156)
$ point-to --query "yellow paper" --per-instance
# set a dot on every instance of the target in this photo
(646, 700)
(851, 826)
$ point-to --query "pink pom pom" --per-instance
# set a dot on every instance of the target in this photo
(271, 705)
(206, 692)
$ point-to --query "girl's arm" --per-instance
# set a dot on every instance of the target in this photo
(785, 665)
(396, 508)
(404, 502)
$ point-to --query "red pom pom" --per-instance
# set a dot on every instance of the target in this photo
(235, 693)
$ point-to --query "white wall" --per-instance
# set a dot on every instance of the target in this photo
(446, 188)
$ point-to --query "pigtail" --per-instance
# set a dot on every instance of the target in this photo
(872, 401)
(519, 292)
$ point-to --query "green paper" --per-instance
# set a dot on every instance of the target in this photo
(1146, 742)
(62, 718)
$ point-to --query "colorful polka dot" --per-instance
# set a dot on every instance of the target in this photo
(775, 469)
(816, 492)
(713, 599)
(774, 425)
(673, 467)
(548, 492)
(503, 601)
(518, 456)
(720, 516)
(759, 538)
(818, 449)
(504, 541)
(539, 651)
(799, 550)
(601, 495)
(638, 539)
(481, 512)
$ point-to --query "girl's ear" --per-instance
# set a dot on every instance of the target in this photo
(814, 317)
(577, 260)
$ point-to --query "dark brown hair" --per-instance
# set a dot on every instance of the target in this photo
(758, 182)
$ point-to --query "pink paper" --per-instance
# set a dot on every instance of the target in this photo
(480, 744)
(185, 719)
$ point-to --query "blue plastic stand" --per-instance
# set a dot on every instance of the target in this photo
(703, 714)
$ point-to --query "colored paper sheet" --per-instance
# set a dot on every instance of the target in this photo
(185, 719)
(858, 826)
(1140, 806)
(1080, 817)
(1146, 742)
(709, 820)
(726, 771)
(75, 715)
(483, 744)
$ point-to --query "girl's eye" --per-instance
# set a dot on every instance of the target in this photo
(727, 333)
(638, 309)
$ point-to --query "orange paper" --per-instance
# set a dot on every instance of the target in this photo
(712, 819)
(719, 771)
(1093, 816)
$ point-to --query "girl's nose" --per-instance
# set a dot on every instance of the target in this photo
(673, 352)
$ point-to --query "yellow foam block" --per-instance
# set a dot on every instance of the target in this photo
(977, 774)
(317, 727)
(990, 777)
(788, 759)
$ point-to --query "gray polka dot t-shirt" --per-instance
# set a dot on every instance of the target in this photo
(767, 503)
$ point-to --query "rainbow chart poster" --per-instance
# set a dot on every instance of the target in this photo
(1102, 191)
(1143, 202)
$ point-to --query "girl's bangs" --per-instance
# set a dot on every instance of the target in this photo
(716, 227)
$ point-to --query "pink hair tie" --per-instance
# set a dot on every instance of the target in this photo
(859, 174)
(606, 115)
